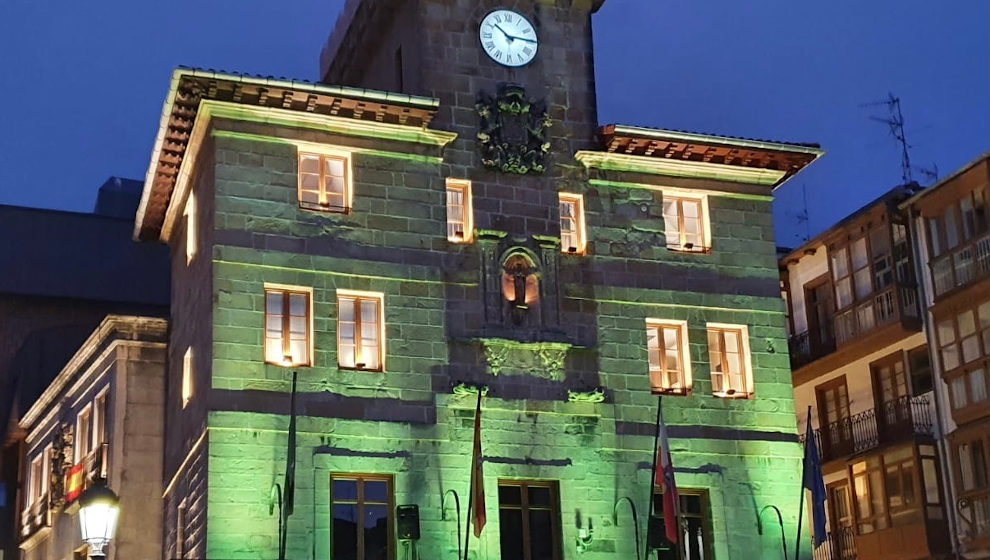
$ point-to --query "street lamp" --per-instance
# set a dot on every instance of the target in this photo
(98, 509)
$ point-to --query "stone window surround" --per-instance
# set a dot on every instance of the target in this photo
(288, 289)
(359, 296)
(467, 211)
(578, 229)
(667, 193)
(749, 390)
(686, 381)
(323, 153)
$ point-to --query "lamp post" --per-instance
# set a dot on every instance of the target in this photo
(98, 510)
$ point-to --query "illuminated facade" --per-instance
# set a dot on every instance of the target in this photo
(477, 227)
(951, 231)
(861, 362)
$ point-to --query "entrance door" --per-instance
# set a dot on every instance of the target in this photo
(841, 516)
(890, 389)
(833, 418)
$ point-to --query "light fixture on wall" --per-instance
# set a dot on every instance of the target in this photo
(99, 507)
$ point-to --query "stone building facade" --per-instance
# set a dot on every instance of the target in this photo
(99, 420)
(478, 228)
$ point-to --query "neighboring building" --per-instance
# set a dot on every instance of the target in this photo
(100, 420)
(951, 228)
(367, 241)
(861, 363)
(63, 272)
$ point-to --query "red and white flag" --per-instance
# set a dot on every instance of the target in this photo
(665, 480)
(478, 475)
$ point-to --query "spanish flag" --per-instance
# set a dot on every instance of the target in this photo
(74, 481)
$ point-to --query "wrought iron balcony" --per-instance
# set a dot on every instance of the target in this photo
(894, 421)
(962, 265)
(975, 513)
(807, 347)
(838, 545)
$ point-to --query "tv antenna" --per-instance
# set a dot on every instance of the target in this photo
(802, 216)
(895, 122)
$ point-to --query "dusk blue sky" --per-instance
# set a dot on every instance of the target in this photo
(83, 82)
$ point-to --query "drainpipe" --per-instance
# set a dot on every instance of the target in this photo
(948, 501)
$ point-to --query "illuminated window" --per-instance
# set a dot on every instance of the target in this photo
(38, 477)
(684, 223)
(529, 514)
(187, 377)
(572, 237)
(695, 518)
(288, 324)
(360, 330)
(191, 234)
(871, 507)
(728, 351)
(670, 369)
(324, 182)
(460, 219)
(83, 434)
(360, 510)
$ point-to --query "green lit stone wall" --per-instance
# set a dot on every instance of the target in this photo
(406, 422)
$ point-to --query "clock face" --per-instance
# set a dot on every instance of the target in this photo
(508, 38)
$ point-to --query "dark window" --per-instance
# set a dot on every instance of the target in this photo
(696, 524)
(529, 516)
(921, 370)
(362, 522)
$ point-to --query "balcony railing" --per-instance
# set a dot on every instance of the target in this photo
(894, 421)
(880, 310)
(807, 347)
(962, 265)
(975, 514)
(838, 545)
(36, 516)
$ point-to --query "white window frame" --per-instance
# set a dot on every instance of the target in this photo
(705, 217)
(78, 453)
(310, 335)
(467, 211)
(686, 380)
(749, 391)
(99, 416)
(577, 201)
(322, 153)
(379, 297)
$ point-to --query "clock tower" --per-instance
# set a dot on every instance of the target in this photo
(463, 51)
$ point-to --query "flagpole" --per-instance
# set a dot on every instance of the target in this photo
(653, 477)
(467, 524)
(804, 468)
(288, 496)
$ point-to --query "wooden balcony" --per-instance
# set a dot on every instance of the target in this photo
(961, 266)
(895, 421)
(887, 307)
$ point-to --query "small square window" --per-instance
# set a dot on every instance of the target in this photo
(288, 326)
(728, 351)
(572, 231)
(324, 182)
(685, 224)
(460, 219)
(360, 330)
(670, 365)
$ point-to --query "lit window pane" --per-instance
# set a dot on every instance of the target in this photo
(369, 311)
(977, 385)
(840, 265)
(309, 164)
(335, 168)
(346, 309)
(959, 399)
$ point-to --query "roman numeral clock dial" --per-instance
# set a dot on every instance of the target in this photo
(508, 38)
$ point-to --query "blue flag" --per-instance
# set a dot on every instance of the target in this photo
(813, 481)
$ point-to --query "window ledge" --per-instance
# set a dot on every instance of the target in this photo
(693, 250)
(327, 209)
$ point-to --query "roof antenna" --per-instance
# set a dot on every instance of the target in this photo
(895, 122)
(802, 216)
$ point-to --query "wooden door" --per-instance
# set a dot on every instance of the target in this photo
(841, 521)
(833, 418)
(890, 393)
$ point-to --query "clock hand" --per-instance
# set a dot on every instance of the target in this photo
(507, 36)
